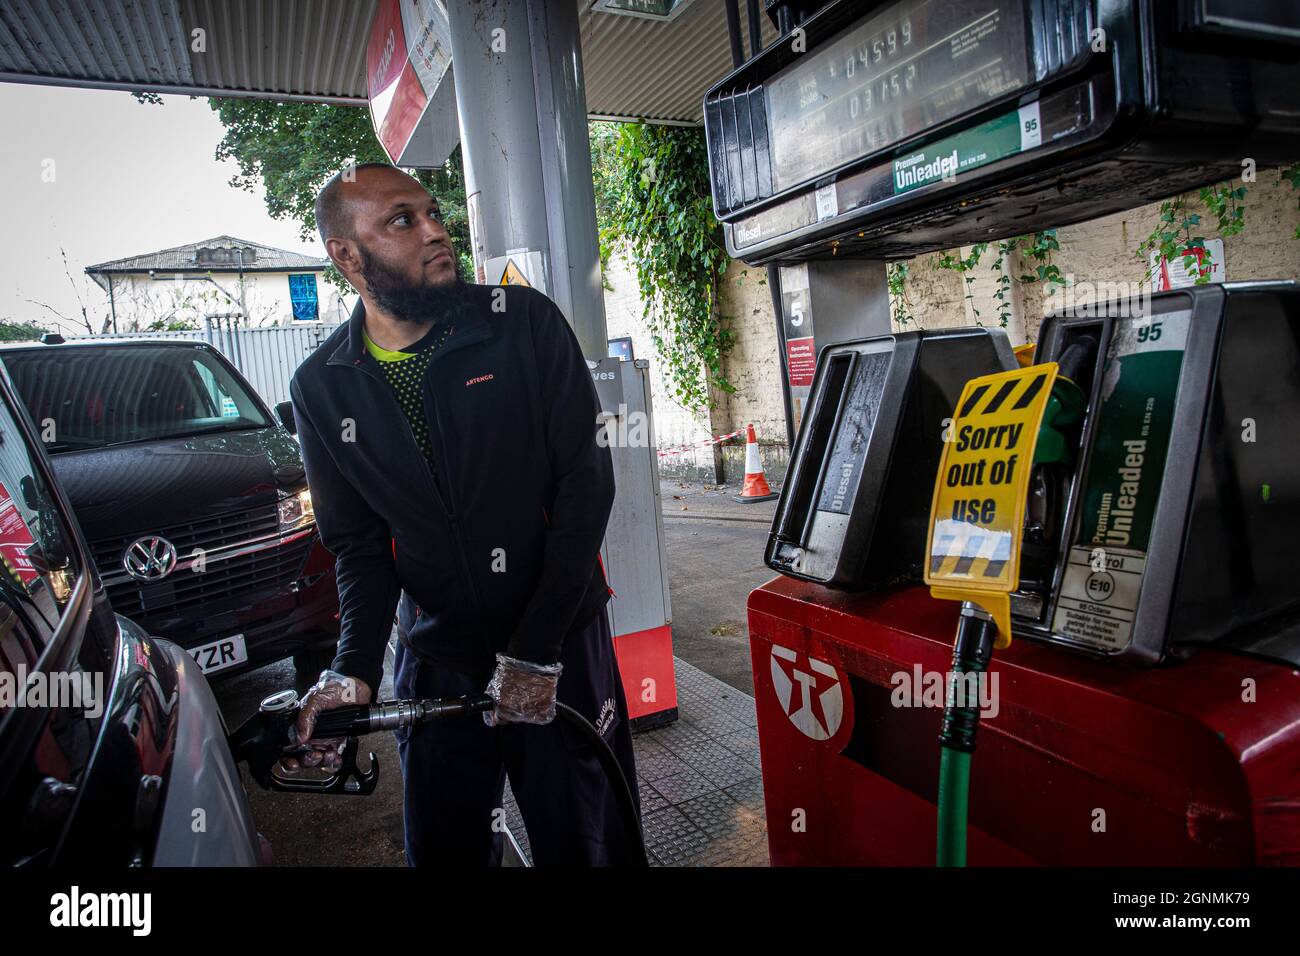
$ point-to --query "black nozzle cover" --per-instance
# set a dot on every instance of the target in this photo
(1076, 356)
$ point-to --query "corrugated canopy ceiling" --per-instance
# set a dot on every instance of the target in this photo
(315, 49)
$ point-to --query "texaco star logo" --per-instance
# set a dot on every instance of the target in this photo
(810, 692)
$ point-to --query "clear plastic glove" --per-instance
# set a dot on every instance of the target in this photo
(524, 692)
(331, 690)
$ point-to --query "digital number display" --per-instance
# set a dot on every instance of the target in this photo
(913, 65)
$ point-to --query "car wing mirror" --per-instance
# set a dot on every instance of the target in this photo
(47, 561)
(284, 412)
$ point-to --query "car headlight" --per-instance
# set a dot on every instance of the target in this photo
(296, 512)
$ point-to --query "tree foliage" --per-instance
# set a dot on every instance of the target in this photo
(289, 150)
(11, 331)
(652, 197)
(652, 193)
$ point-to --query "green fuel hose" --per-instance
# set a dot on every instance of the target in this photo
(971, 653)
(954, 794)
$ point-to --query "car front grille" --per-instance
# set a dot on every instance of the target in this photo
(183, 592)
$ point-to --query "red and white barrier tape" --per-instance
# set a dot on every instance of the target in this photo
(678, 449)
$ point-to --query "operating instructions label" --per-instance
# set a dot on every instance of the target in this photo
(1099, 596)
(1103, 578)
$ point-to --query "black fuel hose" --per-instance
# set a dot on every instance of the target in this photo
(361, 719)
(617, 780)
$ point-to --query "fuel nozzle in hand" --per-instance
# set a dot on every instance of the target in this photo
(267, 737)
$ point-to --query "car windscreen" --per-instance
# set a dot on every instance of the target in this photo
(92, 397)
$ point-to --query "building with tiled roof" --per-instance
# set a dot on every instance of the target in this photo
(224, 275)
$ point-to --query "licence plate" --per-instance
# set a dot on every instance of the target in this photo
(221, 654)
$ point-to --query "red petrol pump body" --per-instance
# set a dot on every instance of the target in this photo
(1084, 763)
(1147, 709)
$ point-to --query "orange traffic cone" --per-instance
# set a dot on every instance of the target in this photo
(756, 488)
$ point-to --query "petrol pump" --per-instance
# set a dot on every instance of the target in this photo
(1105, 665)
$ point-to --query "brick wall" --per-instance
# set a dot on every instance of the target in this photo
(753, 365)
(1104, 251)
(1101, 250)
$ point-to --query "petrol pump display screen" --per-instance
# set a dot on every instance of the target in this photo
(893, 75)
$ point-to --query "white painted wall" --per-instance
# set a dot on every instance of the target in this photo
(673, 424)
(141, 299)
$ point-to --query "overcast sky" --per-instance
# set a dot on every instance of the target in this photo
(128, 179)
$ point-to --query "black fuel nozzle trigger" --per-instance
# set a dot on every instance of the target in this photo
(347, 780)
(268, 736)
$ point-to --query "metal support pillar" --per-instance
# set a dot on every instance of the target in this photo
(532, 215)
(523, 127)
(820, 303)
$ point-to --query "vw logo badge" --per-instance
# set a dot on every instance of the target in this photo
(150, 558)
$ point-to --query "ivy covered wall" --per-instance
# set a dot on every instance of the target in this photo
(936, 295)
(706, 323)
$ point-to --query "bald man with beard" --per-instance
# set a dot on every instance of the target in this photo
(450, 439)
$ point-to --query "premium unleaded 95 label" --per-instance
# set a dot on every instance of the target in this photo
(1108, 556)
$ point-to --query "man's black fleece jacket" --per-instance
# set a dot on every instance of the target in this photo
(501, 551)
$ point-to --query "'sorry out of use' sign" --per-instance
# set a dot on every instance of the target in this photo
(978, 513)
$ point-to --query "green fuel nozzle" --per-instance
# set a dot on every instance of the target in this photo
(1065, 405)
(1053, 464)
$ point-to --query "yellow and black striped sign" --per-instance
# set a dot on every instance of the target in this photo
(978, 511)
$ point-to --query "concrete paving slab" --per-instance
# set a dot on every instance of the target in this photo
(708, 811)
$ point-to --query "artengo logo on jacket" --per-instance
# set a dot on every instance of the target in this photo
(479, 378)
